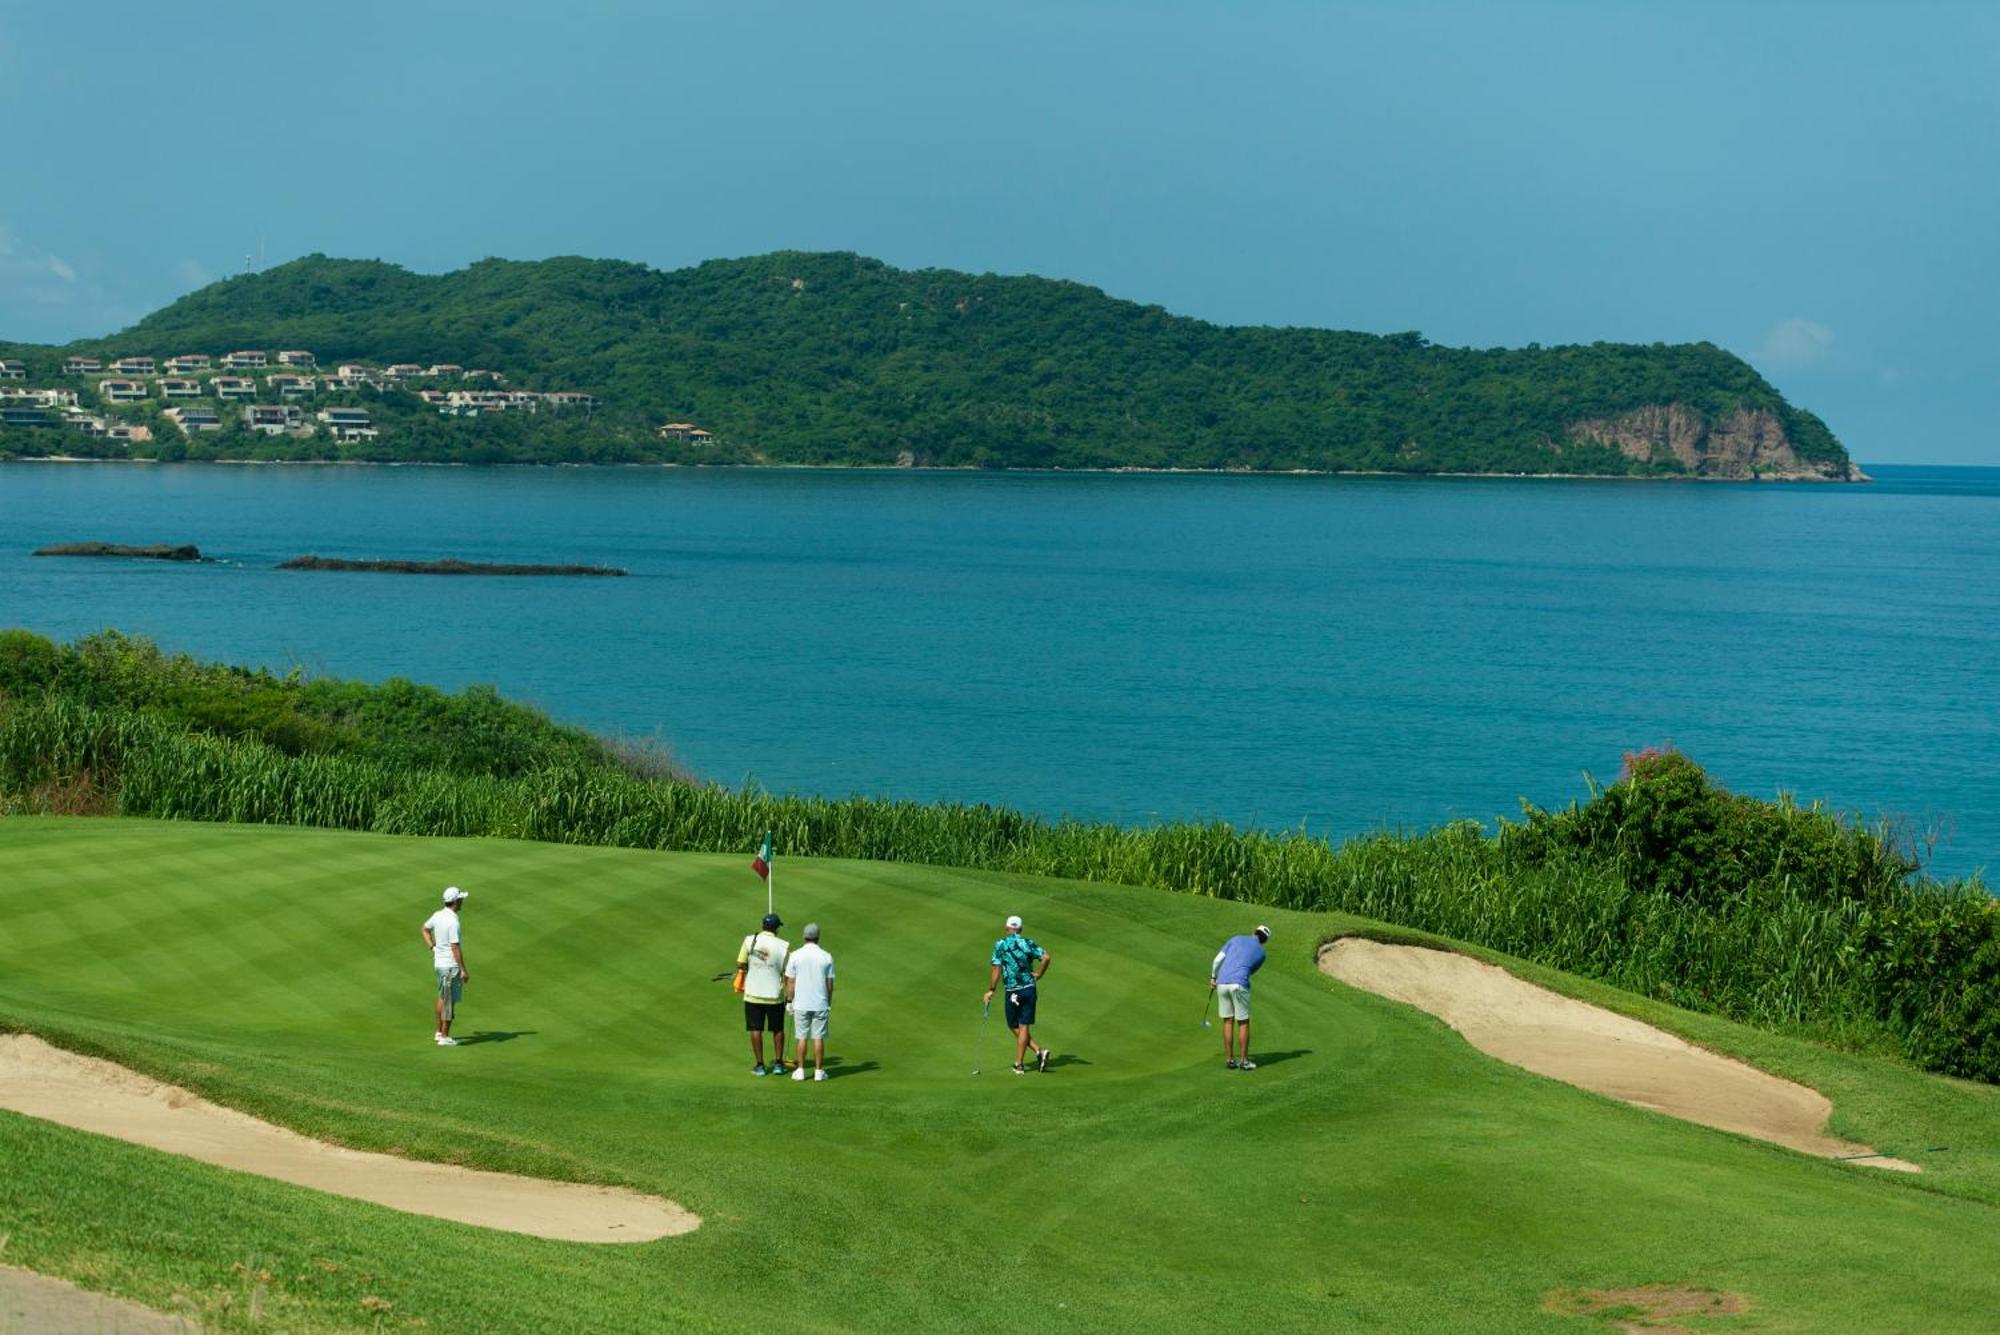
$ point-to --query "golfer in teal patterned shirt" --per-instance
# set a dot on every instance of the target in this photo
(1018, 964)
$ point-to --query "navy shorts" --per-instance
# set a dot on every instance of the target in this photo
(764, 1015)
(1020, 1007)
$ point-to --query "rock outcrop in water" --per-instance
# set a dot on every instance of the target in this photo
(159, 551)
(1744, 445)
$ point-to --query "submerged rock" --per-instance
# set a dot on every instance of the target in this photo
(447, 567)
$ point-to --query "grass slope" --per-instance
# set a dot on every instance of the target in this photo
(1378, 1173)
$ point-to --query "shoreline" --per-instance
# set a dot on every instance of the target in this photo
(1809, 479)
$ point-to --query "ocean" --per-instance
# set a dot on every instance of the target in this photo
(1339, 653)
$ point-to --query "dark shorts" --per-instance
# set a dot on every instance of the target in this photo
(764, 1015)
(1020, 1007)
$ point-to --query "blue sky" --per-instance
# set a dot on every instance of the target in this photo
(1814, 186)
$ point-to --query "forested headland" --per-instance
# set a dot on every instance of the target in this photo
(835, 359)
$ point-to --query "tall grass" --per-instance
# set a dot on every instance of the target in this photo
(1871, 954)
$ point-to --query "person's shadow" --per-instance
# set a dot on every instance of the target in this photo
(1274, 1058)
(496, 1036)
(836, 1068)
(1062, 1059)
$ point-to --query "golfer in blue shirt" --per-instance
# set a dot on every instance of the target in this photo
(1019, 963)
(1229, 979)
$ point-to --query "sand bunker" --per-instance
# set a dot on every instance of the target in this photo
(31, 1302)
(91, 1095)
(1588, 1046)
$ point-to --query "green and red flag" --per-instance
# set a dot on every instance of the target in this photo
(762, 864)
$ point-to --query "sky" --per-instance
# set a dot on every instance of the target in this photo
(1814, 186)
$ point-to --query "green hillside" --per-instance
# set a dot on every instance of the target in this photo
(1376, 1173)
(836, 359)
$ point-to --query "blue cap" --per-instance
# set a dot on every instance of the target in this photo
(772, 922)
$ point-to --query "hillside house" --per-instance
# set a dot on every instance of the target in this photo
(127, 433)
(191, 420)
(276, 419)
(436, 398)
(121, 391)
(233, 386)
(82, 366)
(13, 370)
(569, 398)
(677, 430)
(403, 371)
(292, 386)
(186, 364)
(297, 357)
(700, 437)
(45, 398)
(477, 374)
(446, 368)
(347, 423)
(244, 360)
(129, 366)
(179, 387)
(477, 399)
(24, 417)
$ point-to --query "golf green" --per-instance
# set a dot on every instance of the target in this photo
(1375, 1173)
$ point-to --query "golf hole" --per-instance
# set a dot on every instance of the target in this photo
(40, 1080)
(1596, 1049)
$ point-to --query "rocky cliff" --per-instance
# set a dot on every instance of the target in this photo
(1745, 444)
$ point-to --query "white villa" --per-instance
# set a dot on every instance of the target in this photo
(347, 423)
(276, 419)
(191, 420)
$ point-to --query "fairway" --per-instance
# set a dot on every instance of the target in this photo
(1376, 1173)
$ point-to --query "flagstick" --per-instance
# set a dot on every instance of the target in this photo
(771, 884)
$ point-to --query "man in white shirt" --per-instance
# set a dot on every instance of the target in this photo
(763, 959)
(809, 987)
(441, 934)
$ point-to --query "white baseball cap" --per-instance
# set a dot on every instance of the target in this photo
(1263, 932)
(452, 894)
(1014, 923)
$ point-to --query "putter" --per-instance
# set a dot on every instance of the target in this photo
(1207, 1006)
(978, 1045)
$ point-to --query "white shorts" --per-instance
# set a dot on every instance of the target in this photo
(808, 1024)
(1233, 1000)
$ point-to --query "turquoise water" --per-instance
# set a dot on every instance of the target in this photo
(1346, 653)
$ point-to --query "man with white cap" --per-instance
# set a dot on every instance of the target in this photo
(1229, 979)
(441, 934)
(1018, 964)
(809, 989)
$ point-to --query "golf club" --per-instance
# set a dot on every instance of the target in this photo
(1206, 1006)
(978, 1044)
